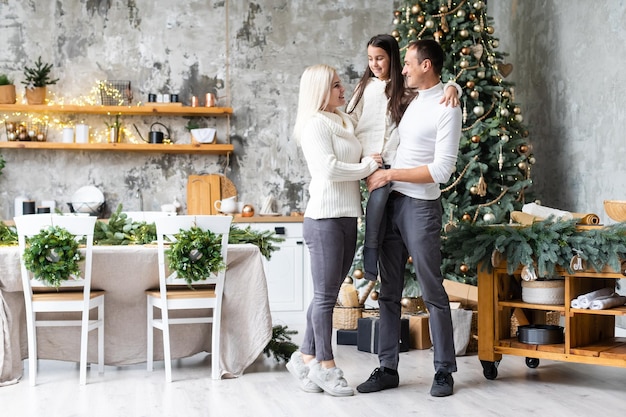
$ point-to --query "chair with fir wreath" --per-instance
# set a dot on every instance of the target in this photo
(192, 268)
(52, 258)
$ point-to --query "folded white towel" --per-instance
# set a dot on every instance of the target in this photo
(575, 303)
(586, 299)
(608, 302)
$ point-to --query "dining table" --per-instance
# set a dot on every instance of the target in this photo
(125, 272)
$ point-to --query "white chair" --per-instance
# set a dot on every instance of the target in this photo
(78, 299)
(175, 295)
(147, 216)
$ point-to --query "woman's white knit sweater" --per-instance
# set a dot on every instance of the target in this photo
(333, 156)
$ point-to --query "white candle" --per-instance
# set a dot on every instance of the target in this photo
(82, 133)
(68, 135)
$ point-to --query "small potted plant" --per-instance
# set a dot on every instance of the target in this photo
(7, 90)
(36, 80)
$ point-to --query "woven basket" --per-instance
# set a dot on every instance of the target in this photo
(346, 318)
(370, 312)
(544, 292)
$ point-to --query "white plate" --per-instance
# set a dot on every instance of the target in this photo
(87, 199)
(88, 194)
(269, 214)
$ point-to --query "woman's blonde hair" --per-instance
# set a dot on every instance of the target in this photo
(315, 86)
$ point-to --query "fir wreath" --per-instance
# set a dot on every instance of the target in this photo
(196, 254)
(52, 256)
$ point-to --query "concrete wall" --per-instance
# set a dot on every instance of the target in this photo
(567, 70)
(567, 58)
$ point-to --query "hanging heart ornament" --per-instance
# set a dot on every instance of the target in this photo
(505, 69)
(477, 51)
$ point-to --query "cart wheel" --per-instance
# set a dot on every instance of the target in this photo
(532, 362)
(490, 369)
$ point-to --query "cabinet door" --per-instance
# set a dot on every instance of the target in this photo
(284, 274)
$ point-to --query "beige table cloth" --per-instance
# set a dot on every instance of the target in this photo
(125, 272)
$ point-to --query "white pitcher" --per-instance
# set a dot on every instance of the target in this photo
(226, 205)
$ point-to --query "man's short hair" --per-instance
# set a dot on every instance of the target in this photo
(429, 49)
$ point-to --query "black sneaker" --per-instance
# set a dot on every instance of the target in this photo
(443, 384)
(378, 381)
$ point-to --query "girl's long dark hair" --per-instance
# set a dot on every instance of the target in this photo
(395, 91)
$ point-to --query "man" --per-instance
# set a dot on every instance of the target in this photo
(429, 140)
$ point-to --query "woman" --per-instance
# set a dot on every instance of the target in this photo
(333, 156)
(378, 104)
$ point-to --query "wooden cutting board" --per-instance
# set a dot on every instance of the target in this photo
(204, 190)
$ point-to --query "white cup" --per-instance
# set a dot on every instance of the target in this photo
(226, 205)
(68, 135)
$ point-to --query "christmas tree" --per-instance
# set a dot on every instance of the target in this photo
(495, 156)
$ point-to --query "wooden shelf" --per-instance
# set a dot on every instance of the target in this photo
(521, 304)
(214, 149)
(145, 110)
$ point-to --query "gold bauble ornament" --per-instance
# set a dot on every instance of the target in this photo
(473, 190)
(504, 138)
(464, 33)
(480, 74)
(416, 9)
(247, 211)
(504, 112)
(523, 149)
(420, 19)
(348, 280)
(395, 34)
(410, 260)
(429, 24)
(532, 160)
(495, 43)
(478, 5)
(396, 21)
(463, 63)
(474, 94)
(460, 13)
(470, 84)
(525, 133)
(443, 9)
(519, 118)
(357, 273)
(405, 302)
(490, 30)
(471, 16)
(412, 32)
(397, 13)
(374, 295)
(522, 166)
(517, 110)
(466, 217)
(506, 94)
(464, 268)
(466, 50)
(478, 28)
(491, 59)
(475, 139)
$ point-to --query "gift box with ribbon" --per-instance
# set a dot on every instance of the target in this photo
(367, 334)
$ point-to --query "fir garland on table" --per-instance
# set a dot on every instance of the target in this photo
(122, 230)
(264, 240)
(541, 247)
(52, 256)
(8, 235)
(196, 254)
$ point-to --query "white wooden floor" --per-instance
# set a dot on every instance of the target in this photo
(267, 389)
